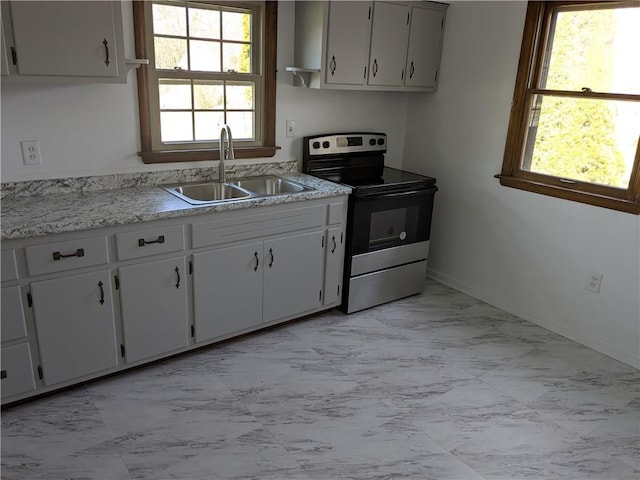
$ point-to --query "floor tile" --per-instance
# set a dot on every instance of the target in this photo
(435, 386)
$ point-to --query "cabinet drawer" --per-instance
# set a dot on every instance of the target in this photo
(57, 257)
(9, 270)
(17, 370)
(243, 227)
(144, 243)
(13, 324)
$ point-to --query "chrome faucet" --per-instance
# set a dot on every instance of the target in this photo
(225, 153)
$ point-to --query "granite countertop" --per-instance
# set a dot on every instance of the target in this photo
(25, 216)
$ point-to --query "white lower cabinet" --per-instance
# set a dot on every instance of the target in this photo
(227, 290)
(292, 275)
(14, 326)
(240, 287)
(334, 260)
(17, 370)
(77, 306)
(154, 302)
(75, 326)
(17, 366)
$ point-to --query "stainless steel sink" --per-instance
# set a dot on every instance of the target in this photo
(269, 185)
(235, 190)
(209, 192)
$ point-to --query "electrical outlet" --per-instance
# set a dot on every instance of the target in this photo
(31, 152)
(593, 282)
(291, 128)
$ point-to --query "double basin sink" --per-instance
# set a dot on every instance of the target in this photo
(201, 193)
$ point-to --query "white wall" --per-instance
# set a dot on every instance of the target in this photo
(526, 253)
(92, 129)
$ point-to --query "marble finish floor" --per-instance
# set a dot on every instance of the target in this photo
(437, 386)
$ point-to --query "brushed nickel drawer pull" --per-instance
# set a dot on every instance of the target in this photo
(78, 253)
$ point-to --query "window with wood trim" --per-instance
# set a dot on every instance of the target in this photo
(211, 63)
(574, 131)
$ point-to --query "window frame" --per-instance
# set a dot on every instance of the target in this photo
(530, 66)
(267, 60)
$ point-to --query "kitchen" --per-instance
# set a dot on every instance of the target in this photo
(524, 253)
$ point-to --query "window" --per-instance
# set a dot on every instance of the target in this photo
(210, 64)
(574, 131)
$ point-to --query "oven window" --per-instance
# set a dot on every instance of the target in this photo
(378, 222)
(390, 226)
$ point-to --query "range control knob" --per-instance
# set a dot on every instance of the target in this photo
(316, 145)
(326, 144)
(372, 142)
(381, 141)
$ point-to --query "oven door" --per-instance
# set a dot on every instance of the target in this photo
(389, 220)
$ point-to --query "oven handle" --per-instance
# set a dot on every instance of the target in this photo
(383, 196)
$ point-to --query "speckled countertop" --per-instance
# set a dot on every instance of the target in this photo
(49, 212)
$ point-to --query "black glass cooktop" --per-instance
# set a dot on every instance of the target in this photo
(391, 179)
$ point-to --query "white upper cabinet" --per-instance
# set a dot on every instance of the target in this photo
(348, 42)
(425, 46)
(350, 45)
(388, 44)
(82, 39)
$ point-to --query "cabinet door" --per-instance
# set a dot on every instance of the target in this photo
(65, 38)
(154, 308)
(17, 370)
(389, 35)
(292, 275)
(12, 319)
(334, 260)
(425, 47)
(347, 42)
(75, 326)
(227, 290)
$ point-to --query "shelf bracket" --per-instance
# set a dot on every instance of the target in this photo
(302, 74)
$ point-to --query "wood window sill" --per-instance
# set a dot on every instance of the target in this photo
(170, 156)
(567, 193)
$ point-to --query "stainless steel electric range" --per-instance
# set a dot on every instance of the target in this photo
(389, 217)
